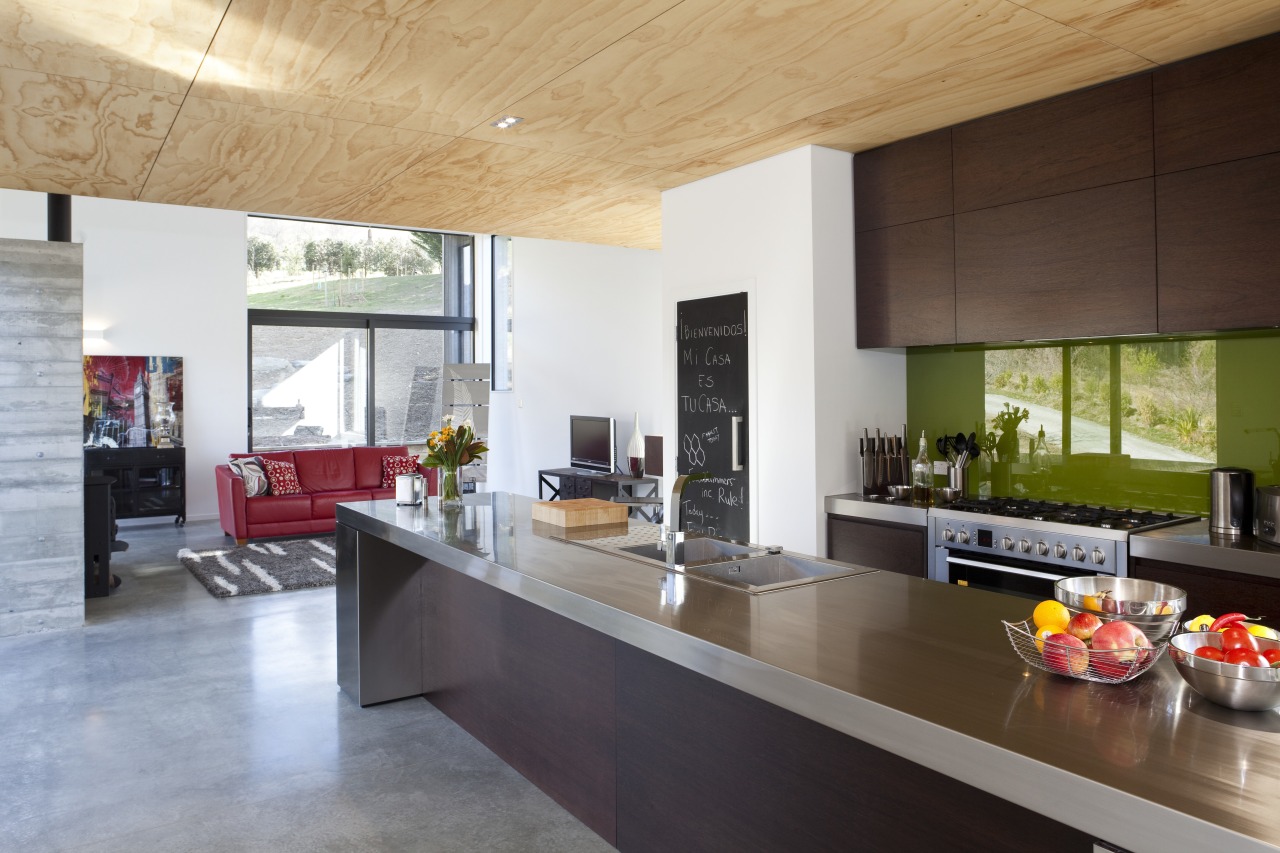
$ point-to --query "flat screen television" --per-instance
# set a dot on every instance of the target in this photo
(592, 443)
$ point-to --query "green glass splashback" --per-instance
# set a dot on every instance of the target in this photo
(1128, 422)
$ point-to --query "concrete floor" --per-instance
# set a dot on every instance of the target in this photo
(175, 721)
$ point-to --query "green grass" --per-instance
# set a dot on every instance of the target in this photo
(393, 294)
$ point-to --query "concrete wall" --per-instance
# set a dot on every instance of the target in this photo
(782, 230)
(41, 473)
(587, 339)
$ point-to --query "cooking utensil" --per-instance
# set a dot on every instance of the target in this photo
(947, 494)
(900, 493)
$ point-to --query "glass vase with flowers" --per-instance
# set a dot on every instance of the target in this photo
(448, 449)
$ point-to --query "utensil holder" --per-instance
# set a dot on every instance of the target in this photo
(958, 478)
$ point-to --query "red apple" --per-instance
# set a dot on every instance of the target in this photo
(1117, 646)
(1082, 626)
(1065, 654)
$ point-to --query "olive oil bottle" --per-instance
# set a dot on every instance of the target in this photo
(922, 475)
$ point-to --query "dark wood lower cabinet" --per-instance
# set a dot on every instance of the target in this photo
(883, 545)
(702, 766)
(1212, 591)
(533, 686)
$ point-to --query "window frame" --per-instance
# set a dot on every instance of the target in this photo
(346, 320)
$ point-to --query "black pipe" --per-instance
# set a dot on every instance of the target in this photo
(59, 218)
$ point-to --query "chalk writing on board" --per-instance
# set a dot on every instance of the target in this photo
(711, 436)
(693, 450)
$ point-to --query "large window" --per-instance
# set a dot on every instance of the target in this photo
(349, 329)
(503, 357)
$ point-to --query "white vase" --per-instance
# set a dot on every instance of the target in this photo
(635, 451)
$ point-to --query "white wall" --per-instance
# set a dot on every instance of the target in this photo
(165, 280)
(587, 342)
(782, 230)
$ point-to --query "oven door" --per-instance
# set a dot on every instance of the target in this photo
(999, 574)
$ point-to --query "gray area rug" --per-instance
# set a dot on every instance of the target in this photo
(263, 567)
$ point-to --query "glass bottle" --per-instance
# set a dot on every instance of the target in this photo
(922, 475)
(1040, 456)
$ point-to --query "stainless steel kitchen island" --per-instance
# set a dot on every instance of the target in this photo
(915, 678)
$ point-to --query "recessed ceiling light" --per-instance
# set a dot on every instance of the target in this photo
(506, 121)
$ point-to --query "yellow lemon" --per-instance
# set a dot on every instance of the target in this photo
(1046, 632)
(1200, 623)
(1260, 631)
(1051, 612)
(1091, 602)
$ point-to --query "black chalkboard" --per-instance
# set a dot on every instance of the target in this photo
(712, 402)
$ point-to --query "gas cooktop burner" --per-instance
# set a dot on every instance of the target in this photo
(1077, 514)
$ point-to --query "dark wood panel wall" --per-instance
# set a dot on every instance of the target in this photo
(1145, 205)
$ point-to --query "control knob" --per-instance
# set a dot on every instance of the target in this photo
(948, 534)
(1006, 543)
(963, 537)
(1077, 554)
(1059, 550)
(1024, 546)
(1098, 557)
(1042, 548)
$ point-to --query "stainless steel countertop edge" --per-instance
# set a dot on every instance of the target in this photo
(1006, 774)
(1192, 545)
(856, 506)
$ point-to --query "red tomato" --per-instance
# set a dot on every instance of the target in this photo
(1272, 656)
(1238, 638)
(1211, 653)
(1246, 657)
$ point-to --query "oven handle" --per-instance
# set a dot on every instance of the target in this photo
(998, 568)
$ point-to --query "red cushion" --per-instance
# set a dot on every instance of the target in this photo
(328, 470)
(272, 509)
(283, 477)
(393, 466)
(322, 505)
(369, 464)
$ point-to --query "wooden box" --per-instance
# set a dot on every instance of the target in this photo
(583, 512)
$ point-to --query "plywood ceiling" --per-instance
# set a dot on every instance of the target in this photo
(379, 110)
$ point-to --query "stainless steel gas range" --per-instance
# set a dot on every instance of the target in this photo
(1023, 547)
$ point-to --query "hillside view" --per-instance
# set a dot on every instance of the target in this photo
(1167, 402)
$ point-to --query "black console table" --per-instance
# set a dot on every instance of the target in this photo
(150, 481)
(579, 483)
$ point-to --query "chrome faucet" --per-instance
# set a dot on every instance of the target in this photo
(673, 525)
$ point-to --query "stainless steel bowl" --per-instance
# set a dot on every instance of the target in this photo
(900, 493)
(947, 494)
(1244, 688)
(1155, 608)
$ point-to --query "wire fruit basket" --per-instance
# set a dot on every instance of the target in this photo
(1108, 666)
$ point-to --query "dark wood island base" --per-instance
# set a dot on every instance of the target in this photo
(647, 753)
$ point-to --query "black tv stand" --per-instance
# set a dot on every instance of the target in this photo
(581, 483)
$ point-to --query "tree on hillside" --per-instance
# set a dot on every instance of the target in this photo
(432, 245)
(313, 257)
(262, 256)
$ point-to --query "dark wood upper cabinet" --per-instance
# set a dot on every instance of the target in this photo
(1219, 249)
(1075, 265)
(1073, 142)
(905, 287)
(1217, 107)
(903, 182)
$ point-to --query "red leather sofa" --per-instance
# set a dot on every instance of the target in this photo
(328, 476)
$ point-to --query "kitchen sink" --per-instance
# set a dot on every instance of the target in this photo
(696, 549)
(771, 572)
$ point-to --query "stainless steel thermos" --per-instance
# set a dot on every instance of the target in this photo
(1231, 501)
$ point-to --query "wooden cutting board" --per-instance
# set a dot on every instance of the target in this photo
(583, 512)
